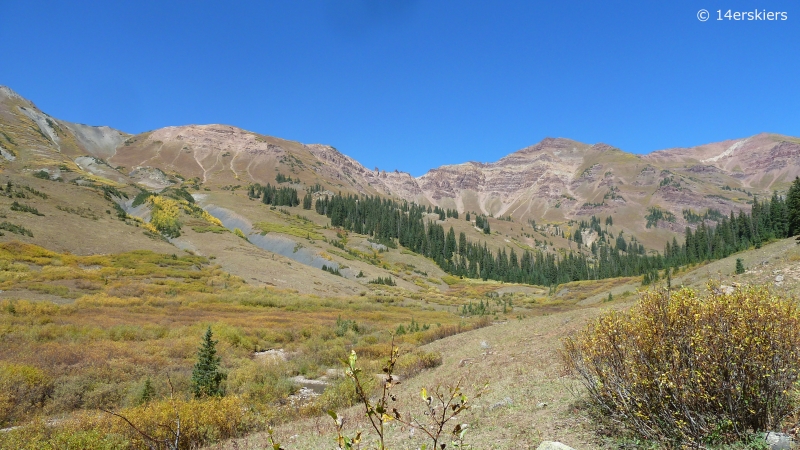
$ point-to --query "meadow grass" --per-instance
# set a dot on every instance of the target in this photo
(132, 316)
(307, 230)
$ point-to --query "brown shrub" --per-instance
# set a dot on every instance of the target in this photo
(87, 285)
(441, 332)
(126, 290)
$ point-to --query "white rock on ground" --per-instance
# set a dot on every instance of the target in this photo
(778, 441)
(550, 445)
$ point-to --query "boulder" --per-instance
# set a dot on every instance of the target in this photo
(778, 441)
(504, 402)
(550, 445)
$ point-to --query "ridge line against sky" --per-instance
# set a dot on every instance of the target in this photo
(413, 85)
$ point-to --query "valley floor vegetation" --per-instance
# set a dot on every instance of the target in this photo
(120, 333)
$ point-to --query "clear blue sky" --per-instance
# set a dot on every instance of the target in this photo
(412, 85)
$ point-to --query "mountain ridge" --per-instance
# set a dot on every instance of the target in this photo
(554, 180)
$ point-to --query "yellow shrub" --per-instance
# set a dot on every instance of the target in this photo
(41, 436)
(201, 423)
(211, 219)
(199, 212)
(450, 280)
(410, 364)
(164, 216)
(690, 370)
(22, 389)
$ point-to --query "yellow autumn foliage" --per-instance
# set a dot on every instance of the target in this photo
(690, 370)
(164, 216)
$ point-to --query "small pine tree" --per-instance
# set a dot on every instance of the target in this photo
(206, 375)
(148, 392)
(739, 266)
(610, 297)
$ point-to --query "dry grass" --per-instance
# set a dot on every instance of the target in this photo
(519, 361)
(530, 399)
(136, 315)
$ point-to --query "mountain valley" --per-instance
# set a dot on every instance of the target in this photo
(119, 250)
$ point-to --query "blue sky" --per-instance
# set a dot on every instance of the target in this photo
(412, 85)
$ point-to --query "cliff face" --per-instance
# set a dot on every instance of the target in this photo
(762, 162)
(560, 179)
(542, 172)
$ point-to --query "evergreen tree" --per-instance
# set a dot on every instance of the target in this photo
(793, 207)
(739, 266)
(621, 244)
(206, 375)
(148, 392)
(278, 196)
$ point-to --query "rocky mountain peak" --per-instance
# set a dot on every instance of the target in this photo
(7, 92)
(548, 143)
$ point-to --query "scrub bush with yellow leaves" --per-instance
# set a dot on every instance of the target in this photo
(164, 216)
(688, 370)
(187, 423)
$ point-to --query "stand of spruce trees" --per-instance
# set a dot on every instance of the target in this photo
(776, 218)
(278, 196)
(405, 223)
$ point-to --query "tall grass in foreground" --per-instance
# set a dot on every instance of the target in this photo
(687, 370)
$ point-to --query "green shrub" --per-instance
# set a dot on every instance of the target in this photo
(140, 198)
(260, 383)
(685, 370)
(345, 325)
(340, 394)
(210, 229)
(410, 364)
(388, 281)
(16, 206)
(17, 229)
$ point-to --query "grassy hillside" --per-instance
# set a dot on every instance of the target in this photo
(92, 329)
(529, 399)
